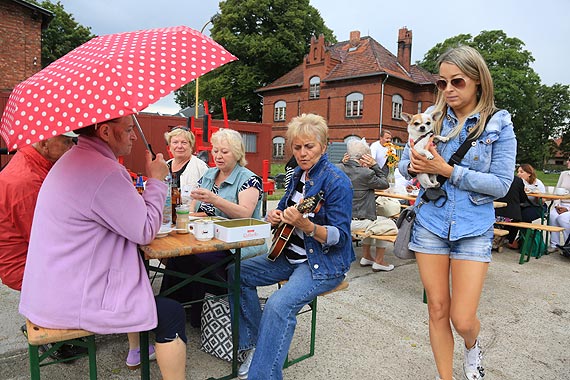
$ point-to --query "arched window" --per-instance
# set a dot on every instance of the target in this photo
(314, 87)
(280, 108)
(278, 147)
(354, 104)
(397, 105)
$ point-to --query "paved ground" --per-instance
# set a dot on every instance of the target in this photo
(377, 329)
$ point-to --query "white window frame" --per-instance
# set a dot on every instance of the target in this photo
(280, 112)
(278, 147)
(397, 106)
(354, 104)
(315, 87)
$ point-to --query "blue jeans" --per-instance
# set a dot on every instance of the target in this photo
(271, 332)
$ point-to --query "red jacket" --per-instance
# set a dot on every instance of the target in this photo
(20, 183)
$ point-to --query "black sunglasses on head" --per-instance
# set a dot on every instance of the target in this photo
(458, 83)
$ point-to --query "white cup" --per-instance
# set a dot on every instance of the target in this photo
(560, 191)
(203, 230)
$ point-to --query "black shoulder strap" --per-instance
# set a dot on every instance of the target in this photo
(459, 154)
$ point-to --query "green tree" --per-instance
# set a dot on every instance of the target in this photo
(554, 113)
(270, 37)
(516, 85)
(63, 33)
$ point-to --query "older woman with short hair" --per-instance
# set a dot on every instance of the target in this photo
(314, 260)
(366, 176)
(185, 168)
(229, 190)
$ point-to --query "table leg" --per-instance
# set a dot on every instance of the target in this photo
(145, 362)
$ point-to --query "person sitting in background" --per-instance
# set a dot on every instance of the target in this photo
(512, 211)
(532, 209)
(229, 190)
(20, 183)
(84, 270)
(366, 176)
(560, 211)
(185, 168)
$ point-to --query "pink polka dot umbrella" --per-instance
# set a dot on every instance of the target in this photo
(110, 76)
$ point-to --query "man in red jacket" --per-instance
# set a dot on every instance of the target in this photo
(20, 183)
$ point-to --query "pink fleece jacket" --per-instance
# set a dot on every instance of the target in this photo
(83, 268)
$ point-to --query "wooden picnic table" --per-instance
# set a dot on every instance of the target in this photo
(174, 245)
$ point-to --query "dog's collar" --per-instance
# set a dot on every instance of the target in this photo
(427, 134)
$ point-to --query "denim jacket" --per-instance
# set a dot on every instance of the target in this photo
(332, 258)
(484, 174)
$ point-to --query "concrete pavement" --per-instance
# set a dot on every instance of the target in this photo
(377, 329)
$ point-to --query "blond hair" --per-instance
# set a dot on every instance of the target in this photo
(181, 131)
(472, 64)
(235, 142)
(308, 125)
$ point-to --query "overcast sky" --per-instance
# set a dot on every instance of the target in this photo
(542, 25)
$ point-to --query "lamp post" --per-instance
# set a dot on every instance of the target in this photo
(210, 21)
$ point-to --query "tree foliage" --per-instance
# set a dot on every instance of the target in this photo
(270, 37)
(63, 33)
(539, 112)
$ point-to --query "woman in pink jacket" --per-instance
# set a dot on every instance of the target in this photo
(83, 269)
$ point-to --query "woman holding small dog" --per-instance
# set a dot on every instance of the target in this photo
(453, 234)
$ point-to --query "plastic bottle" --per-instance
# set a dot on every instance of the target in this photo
(182, 218)
(167, 210)
(139, 184)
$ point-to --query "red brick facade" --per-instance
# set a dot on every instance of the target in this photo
(20, 41)
(358, 65)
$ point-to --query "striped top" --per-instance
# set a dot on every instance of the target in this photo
(295, 248)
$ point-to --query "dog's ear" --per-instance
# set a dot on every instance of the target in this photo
(407, 117)
(436, 115)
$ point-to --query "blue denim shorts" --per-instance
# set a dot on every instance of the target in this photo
(477, 248)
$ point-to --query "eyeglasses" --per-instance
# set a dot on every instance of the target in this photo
(458, 83)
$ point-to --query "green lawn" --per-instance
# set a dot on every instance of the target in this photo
(550, 179)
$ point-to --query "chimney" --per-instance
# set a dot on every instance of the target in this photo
(355, 37)
(404, 48)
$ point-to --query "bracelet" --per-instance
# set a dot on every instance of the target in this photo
(312, 234)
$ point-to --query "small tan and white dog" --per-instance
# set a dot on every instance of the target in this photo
(420, 129)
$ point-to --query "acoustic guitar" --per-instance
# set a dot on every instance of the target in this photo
(283, 231)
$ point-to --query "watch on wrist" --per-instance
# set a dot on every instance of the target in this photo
(312, 233)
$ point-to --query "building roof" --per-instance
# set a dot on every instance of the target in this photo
(47, 16)
(368, 58)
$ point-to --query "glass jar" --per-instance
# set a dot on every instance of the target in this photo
(182, 218)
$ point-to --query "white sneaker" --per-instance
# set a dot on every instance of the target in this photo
(244, 367)
(473, 363)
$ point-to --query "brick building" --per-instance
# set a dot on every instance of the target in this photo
(20, 41)
(357, 85)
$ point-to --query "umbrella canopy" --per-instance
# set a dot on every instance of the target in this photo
(110, 76)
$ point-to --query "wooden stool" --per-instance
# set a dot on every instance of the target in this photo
(313, 309)
(38, 336)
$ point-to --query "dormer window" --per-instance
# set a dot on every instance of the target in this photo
(314, 87)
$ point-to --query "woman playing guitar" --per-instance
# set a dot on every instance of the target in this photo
(315, 257)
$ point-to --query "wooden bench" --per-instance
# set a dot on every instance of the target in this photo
(312, 307)
(533, 231)
(38, 336)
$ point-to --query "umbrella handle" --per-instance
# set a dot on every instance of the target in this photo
(143, 137)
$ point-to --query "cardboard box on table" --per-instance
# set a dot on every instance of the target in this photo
(241, 229)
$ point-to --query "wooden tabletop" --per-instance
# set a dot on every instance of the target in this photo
(175, 244)
(410, 197)
(384, 193)
(549, 196)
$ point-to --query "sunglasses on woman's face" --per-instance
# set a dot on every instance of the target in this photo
(458, 83)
